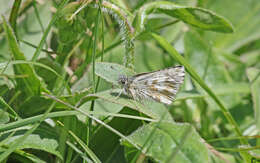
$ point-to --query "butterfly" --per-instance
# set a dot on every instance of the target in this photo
(161, 86)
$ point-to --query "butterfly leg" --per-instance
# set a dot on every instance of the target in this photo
(119, 94)
(111, 91)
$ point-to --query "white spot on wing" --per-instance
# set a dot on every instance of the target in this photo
(165, 100)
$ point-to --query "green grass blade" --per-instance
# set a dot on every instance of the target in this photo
(31, 85)
(2, 101)
(31, 120)
(21, 139)
(14, 14)
(95, 119)
(85, 147)
(47, 30)
(254, 77)
(30, 63)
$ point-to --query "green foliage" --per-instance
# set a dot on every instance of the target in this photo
(29, 84)
(61, 102)
(169, 142)
(197, 17)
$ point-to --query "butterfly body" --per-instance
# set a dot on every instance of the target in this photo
(161, 86)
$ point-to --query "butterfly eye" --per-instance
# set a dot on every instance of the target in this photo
(122, 80)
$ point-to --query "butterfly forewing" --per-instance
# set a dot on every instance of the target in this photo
(161, 86)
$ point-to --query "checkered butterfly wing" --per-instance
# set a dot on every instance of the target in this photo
(161, 86)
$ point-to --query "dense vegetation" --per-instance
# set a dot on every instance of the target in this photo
(59, 65)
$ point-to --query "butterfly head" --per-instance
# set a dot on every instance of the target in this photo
(122, 80)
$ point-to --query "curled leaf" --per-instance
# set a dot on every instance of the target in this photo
(197, 17)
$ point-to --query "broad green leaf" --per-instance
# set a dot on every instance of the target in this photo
(34, 141)
(197, 17)
(111, 71)
(254, 77)
(30, 85)
(170, 142)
